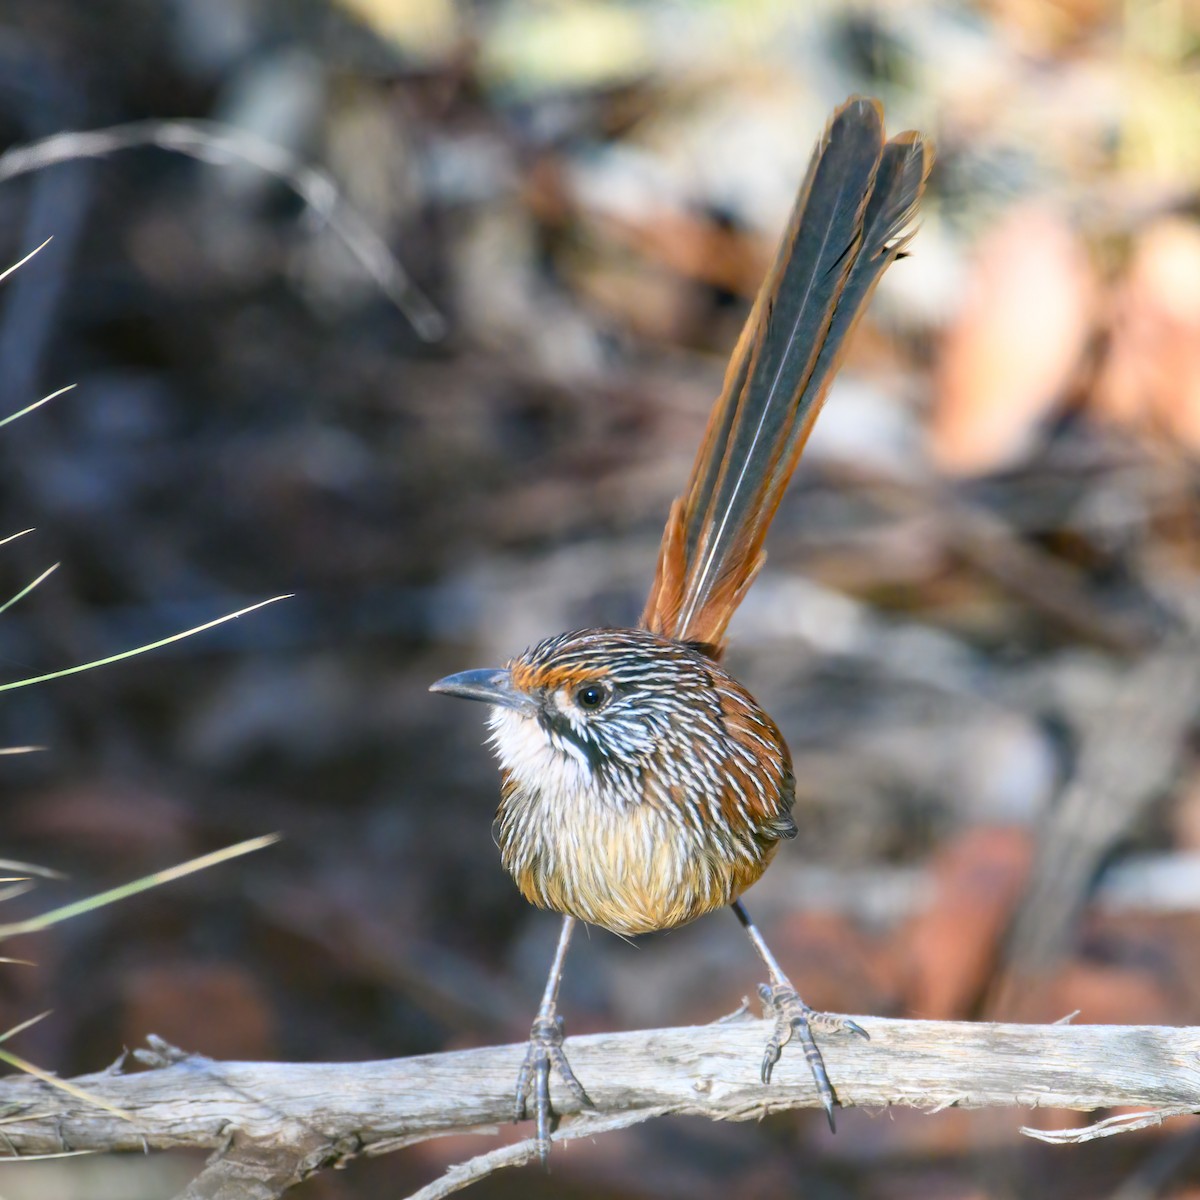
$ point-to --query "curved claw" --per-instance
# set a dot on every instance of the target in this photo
(543, 1052)
(770, 1058)
(794, 1019)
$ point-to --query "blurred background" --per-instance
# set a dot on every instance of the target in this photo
(978, 627)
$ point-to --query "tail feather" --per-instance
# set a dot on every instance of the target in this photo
(847, 226)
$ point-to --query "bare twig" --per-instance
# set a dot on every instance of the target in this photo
(1038, 578)
(212, 142)
(464, 1174)
(1048, 584)
(1121, 1123)
(1130, 749)
(273, 1124)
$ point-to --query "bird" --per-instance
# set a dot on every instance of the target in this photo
(642, 786)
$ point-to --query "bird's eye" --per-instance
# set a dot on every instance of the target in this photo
(591, 696)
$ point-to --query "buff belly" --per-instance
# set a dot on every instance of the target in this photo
(633, 871)
(628, 859)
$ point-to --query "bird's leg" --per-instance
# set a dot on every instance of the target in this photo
(793, 1018)
(545, 1051)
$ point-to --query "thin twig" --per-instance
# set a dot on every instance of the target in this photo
(1129, 753)
(464, 1174)
(213, 142)
(1121, 1123)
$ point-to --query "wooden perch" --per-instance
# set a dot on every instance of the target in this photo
(276, 1123)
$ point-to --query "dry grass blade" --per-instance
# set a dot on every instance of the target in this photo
(24, 1025)
(36, 404)
(24, 868)
(21, 262)
(67, 911)
(21, 1064)
(175, 637)
(15, 1060)
(28, 587)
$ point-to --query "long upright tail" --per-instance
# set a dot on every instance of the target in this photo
(847, 226)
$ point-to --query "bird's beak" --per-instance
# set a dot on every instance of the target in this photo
(491, 685)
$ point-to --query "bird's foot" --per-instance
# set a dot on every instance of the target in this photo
(793, 1018)
(543, 1052)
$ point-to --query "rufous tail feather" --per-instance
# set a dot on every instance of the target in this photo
(848, 224)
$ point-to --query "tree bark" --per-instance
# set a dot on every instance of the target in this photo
(273, 1124)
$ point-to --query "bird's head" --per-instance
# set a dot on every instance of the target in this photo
(594, 704)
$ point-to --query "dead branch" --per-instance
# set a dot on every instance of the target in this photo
(1130, 751)
(274, 1124)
